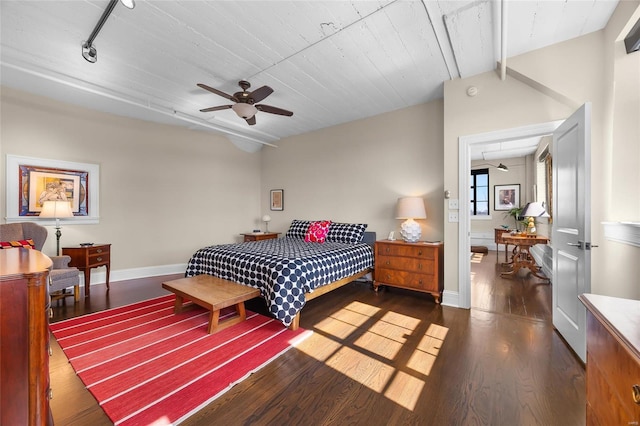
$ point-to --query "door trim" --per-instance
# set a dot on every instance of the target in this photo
(464, 167)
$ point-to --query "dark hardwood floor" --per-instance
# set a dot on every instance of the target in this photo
(392, 357)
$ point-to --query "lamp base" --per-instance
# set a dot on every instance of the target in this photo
(410, 231)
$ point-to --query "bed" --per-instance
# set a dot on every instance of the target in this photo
(290, 271)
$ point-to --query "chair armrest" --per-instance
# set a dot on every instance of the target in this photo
(60, 262)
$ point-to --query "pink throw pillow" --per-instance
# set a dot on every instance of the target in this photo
(317, 231)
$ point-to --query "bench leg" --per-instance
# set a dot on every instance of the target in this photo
(214, 317)
(295, 323)
(177, 306)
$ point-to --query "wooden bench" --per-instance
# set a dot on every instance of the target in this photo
(212, 293)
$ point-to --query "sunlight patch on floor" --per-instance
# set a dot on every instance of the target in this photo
(363, 343)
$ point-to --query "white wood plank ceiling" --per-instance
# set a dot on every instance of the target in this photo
(329, 62)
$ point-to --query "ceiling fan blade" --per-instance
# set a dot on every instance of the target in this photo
(251, 120)
(273, 110)
(261, 93)
(217, 92)
(216, 108)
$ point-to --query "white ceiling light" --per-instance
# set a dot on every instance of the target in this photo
(129, 4)
(244, 110)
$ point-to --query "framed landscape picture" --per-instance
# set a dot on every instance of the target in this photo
(506, 197)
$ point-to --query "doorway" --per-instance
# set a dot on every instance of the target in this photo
(464, 166)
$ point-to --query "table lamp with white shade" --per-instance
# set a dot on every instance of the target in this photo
(410, 208)
(266, 219)
(531, 211)
(57, 210)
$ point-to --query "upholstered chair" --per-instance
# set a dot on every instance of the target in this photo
(61, 276)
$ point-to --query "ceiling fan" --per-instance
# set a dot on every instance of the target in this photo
(245, 101)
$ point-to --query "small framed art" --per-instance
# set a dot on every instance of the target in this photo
(277, 199)
(506, 197)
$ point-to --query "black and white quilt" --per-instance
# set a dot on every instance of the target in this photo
(283, 269)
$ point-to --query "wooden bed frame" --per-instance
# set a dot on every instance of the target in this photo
(326, 289)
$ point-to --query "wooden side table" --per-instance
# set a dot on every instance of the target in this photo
(86, 257)
(258, 236)
(522, 258)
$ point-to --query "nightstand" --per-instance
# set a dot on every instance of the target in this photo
(257, 236)
(86, 257)
(413, 266)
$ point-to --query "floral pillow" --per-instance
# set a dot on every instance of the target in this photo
(317, 231)
(28, 244)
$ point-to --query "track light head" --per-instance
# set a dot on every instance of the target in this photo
(129, 4)
(89, 52)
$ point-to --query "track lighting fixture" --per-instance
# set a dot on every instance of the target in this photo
(500, 166)
(89, 51)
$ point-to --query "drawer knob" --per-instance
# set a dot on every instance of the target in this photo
(99, 259)
(387, 249)
(388, 276)
(50, 351)
(419, 265)
(419, 252)
(99, 251)
(635, 392)
(420, 281)
(50, 393)
(388, 263)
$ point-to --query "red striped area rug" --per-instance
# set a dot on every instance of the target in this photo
(146, 365)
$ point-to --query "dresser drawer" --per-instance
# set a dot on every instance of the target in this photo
(410, 264)
(406, 250)
(425, 282)
(99, 250)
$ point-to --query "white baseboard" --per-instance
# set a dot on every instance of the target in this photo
(99, 275)
(451, 298)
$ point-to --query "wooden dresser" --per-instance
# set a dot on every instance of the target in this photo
(24, 335)
(613, 360)
(414, 266)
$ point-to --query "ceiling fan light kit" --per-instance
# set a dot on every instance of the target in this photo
(245, 102)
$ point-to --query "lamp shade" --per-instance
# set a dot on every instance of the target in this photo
(410, 208)
(56, 209)
(266, 218)
(534, 209)
(244, 110)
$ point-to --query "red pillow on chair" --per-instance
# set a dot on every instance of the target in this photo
(29, 244)
(317, 231)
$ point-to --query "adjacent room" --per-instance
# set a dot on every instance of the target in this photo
(319, 212)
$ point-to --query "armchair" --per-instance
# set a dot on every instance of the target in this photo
(61, 276)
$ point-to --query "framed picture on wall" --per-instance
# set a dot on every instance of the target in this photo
(31, 181)
(277, 199)
(506, 197)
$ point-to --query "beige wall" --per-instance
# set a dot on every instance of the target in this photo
(356, 171)
(517, 175)
(589, 68)
(164, 191)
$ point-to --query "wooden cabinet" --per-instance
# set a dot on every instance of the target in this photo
(24, 338)
(613, 360)
(86, 257)
(414, 266)
(260, 236)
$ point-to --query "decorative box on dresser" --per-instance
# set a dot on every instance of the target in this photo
(414, 266)
(24, 335)
(613, 360)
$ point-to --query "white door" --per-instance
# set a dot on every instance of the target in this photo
(571, 230)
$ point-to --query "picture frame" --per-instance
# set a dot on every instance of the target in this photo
(506, 197)
(31, 181)
(276, 199)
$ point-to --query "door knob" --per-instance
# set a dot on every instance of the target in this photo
(579, 244)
